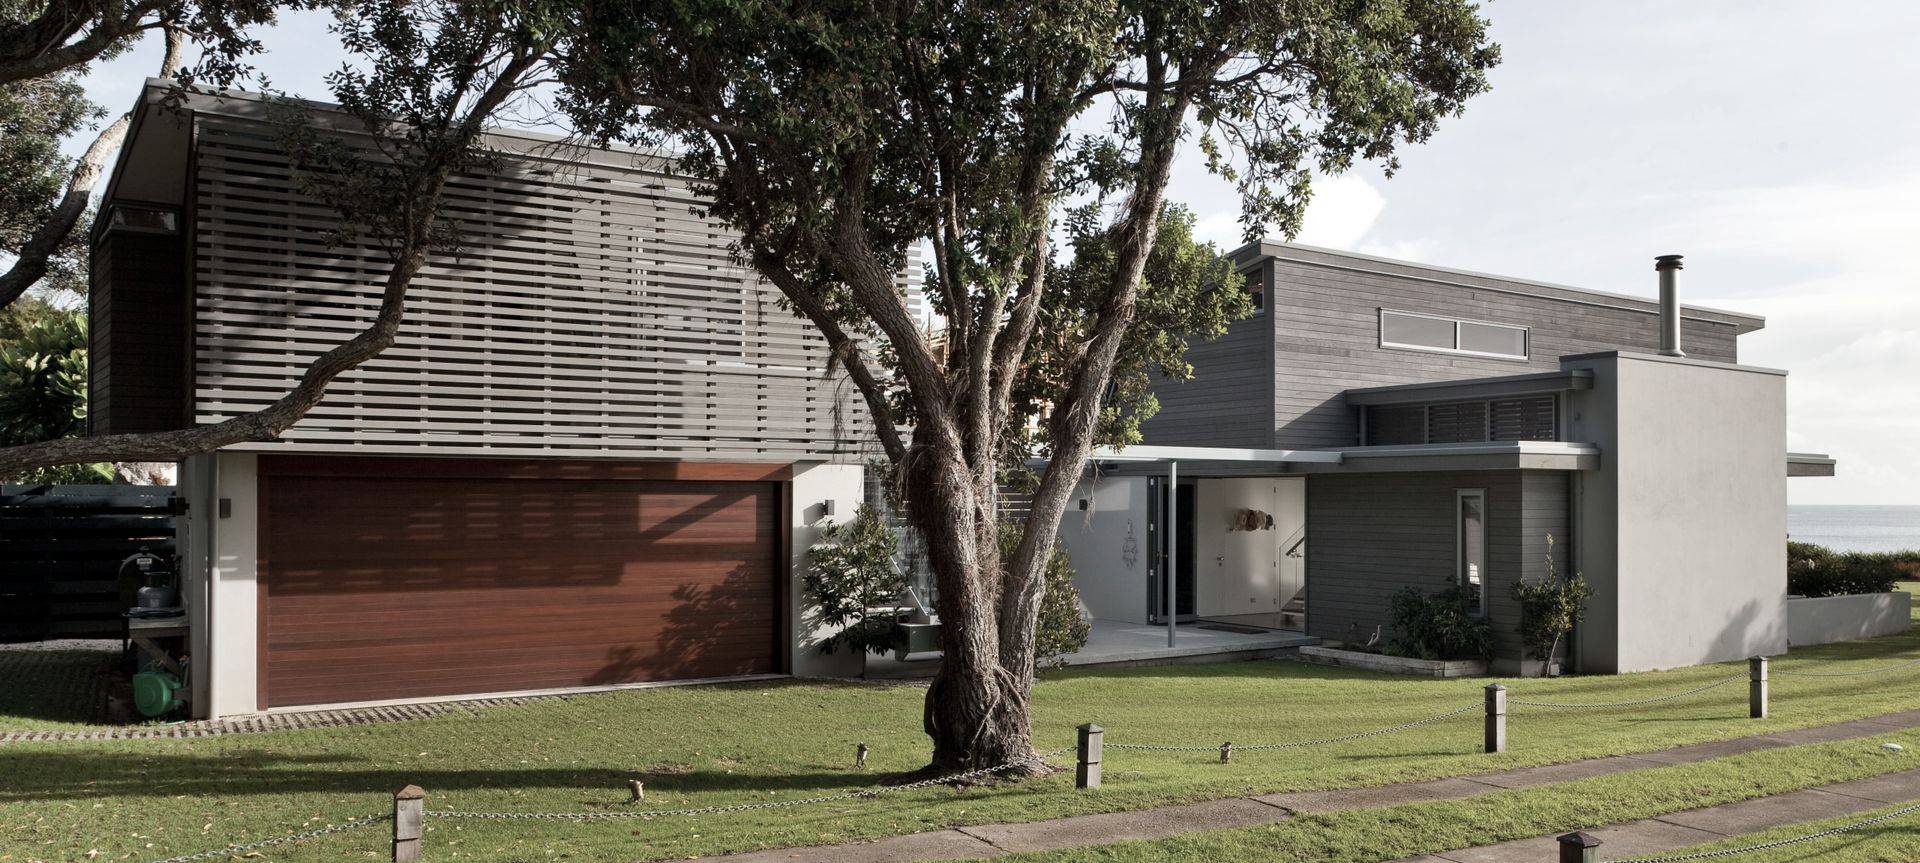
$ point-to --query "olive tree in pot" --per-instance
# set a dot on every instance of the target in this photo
(1549, 610)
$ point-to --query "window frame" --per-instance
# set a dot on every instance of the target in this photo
(1526, 336)
(1460, 495)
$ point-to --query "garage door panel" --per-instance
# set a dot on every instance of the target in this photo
(380, 588)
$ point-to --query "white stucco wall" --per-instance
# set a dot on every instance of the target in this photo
(813, 485)
(194, 545)
(1095, 539)
(1683, 527)
(233, 609)
(1242, 571)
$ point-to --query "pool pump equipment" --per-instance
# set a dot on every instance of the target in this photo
(158, 693)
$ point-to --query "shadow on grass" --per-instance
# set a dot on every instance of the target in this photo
(56, 775)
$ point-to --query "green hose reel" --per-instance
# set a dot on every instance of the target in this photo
(157, 693)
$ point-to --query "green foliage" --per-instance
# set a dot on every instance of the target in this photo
(1059, 631)
(1550, 609)
(43, 389)
(855, 585)
(1815, 570)
(1439, 625)
(35, 116)
(1188, 290)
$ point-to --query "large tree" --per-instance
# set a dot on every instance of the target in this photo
(46, 48)
(836, 136)
(426, 81)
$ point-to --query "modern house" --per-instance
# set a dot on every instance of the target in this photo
(1378, 425)
(601, 449)
(596, 457)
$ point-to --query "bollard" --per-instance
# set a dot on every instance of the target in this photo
(860, 756)
(638, 790)
(409, 813)
(1496, 718)
(1087, 773)
(1757, 687)
(1579, 847)
(1226, 752)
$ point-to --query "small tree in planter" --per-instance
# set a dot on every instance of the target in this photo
(851, 573)
(1549, 610)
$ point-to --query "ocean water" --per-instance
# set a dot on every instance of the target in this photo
(1856, 528)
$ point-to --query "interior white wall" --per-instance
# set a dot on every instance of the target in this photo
(1242, 571)
(813, 485)
(1112, 582)
(233, 631)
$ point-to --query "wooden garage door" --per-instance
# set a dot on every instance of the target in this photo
(379, 587)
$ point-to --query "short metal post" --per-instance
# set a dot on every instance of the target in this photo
(860, 756)
(1087, 773)
(1226, 752)
(1579, 847)
(1757, 687)
(409, 815)
(1496, 718)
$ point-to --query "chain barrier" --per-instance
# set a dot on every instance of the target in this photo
(866, 794)
(1779, 843)
(1787, 673)
(1297, 744)
(1655, 700)
(239, 850)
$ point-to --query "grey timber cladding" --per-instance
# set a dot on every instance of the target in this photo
(137, 319)
(1229, 400)
(588, 312)
(1326, 337)
(1371, 535)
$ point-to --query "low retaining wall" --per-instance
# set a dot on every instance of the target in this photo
(1394, 664)
(1826, 619)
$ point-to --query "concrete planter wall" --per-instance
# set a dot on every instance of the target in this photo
(1394, 664)
(1826, 619)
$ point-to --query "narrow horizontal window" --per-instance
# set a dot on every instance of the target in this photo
(1431, 333)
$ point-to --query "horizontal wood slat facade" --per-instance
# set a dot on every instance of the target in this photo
(61, 547)
(589, 311)
(385, 579)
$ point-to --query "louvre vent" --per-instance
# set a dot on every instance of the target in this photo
(1527, 418)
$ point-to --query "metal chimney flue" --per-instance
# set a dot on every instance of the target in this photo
(1668, 266)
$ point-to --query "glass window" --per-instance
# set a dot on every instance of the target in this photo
(1257, 286)
(1418, 331)
(1470, 543)
(1493, 339)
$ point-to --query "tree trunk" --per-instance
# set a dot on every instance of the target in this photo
(976, 710)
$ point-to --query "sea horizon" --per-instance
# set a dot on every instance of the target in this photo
(1855, 527)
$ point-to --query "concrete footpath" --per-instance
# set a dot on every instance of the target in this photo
(1712, 824)
(1706, 825)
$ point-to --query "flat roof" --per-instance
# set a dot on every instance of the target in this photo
(1264, 249)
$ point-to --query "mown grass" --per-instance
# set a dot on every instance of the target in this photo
(721, 745)
(1893, 841)
(1369, 836)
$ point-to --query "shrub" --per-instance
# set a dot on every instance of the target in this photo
(1814, 570)
(851, 574)
(1060, 630)
(1439, 626)
(1550, 609)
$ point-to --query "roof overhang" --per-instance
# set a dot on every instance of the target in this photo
(1473, 389)
(1496, 455)
(1810, 464)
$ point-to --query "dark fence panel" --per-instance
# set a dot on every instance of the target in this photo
(60, 553)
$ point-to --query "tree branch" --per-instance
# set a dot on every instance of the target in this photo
(31, 264)
(269, 422)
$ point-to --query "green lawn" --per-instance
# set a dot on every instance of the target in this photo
(1368, 836)
(1894, 841)
(717, 745)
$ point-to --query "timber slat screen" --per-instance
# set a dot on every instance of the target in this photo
(60, 553)
(588, 311)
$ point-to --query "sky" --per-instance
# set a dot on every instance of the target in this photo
(1775, 144)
